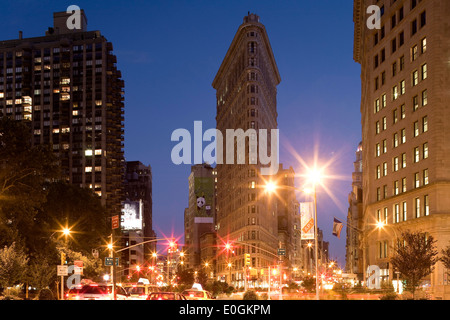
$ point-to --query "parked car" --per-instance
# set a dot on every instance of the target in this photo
(96, 291)
(195, 294)
(166, 296)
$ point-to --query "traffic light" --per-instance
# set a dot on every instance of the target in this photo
(247, 259)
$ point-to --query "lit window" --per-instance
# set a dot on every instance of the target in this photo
(424, 98)
(424, 71)
(415, 78)
(414, 51)
(424, 45)
(395, 140)
(425, 150)
(403, 135)
(417, 207)
(404, 211)
(416, 180)
(397, 213)
(425, 177)
(416, 155)
(426, 206)
(88, 152)
(395, 164)
(425, 124)
(416, 128)
(88, 169)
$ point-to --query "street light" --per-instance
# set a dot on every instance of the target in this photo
(314, 177)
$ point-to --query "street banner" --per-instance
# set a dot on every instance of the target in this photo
(307, 220)
(337, 228)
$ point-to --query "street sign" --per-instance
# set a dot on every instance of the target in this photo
(115, 222)
(62, 270)
(281, 251)
(78, 263)
(109, 261)
(78, 270)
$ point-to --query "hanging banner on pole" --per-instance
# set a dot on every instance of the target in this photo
(307, 220)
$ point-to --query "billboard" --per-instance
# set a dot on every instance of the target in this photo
(307, 220)
(204, 194)
(132, 212)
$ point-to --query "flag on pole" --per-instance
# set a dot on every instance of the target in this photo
(337, 228)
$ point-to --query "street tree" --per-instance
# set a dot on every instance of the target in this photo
(445, 259)
(24, 169)
(13, 263)
(414, 257)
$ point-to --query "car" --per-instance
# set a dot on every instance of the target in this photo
(139, 291)
(73, 293)
(195, 294)
(95, 291)
(166, 296)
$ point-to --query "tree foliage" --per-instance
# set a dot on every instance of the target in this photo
(445, 259)
(23, 170)
(35, 204)
(414, 257)
(13, 263)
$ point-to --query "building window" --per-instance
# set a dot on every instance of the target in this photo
(424, 71)
(396, 213)
(415, 103)
(395, 116)
(377, 127)
(414, 53)
(385, 169)
(416, 155)
(403, 111)
(416, 180)
(395, 93)
(402, 63)
(377, 106)
(404, 185)
(378, 172)
(395, 164)
(424, 124)
(415, 78)
(425, 150)
(396, 188)
(416, 128)
(402, 87)
(424, 98)
(423, 19)
(403, 133)
(414, 27)
(395, 140)
(378, 150)
(425, 177)
(424, 45)
(384, 123)
(426, 205)
(403, 160)
(404, 211)
(417, 207)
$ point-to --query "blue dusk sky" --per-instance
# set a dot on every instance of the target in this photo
(169, 53)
